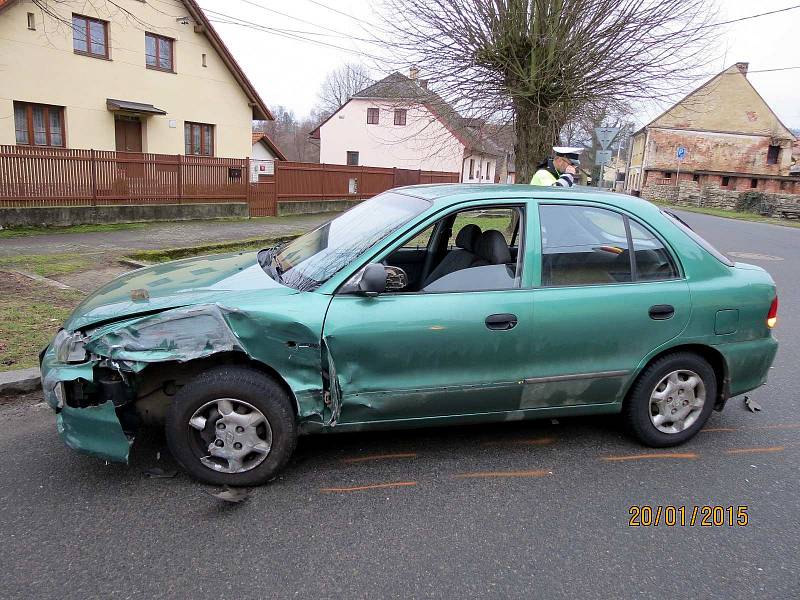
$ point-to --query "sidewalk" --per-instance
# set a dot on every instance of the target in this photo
(158, 235)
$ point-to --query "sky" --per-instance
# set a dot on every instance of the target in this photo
(289, 71)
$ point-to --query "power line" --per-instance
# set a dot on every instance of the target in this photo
(336, 10)
(288, 16)
(747, 18)
(231, 20)
(771, 70)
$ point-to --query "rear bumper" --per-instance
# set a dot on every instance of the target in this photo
(94, 430)
(748, 363)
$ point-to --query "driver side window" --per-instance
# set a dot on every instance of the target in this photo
(469, 250)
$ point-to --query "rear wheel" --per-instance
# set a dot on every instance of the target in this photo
(231, 426)
(671, 400)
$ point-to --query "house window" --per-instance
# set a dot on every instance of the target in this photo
(39, 124)
(199, 139)
(772, 155)
(754, 183)
(352, 158)
(31, 21)
(90, 36)
(472, 168)
(695, 177)
(372, 116)
(488, 165)
(725, 181)
(399, 116)
(667, 175)
(784, 185)
(158, 52)
(204, 60)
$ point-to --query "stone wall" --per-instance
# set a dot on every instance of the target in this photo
(690, 193)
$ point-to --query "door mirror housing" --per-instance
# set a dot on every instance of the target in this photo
(369, 281)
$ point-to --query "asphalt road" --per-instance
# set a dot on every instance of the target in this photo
(72, 527)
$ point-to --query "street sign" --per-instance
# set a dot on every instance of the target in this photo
(681, 153)
(602, 157)
(605, 135)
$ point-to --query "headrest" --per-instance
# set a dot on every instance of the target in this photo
(492, 247)
(468, 237)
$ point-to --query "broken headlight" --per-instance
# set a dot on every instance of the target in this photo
(69, 347)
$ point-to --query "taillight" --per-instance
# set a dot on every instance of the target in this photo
(772, 315)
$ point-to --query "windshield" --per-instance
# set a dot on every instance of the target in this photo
(308, 261)
(682, 225)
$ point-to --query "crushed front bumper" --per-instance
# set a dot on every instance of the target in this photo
(96, 429)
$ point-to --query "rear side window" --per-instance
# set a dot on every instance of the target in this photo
(653, 261)
(582, 245)
(698, 239)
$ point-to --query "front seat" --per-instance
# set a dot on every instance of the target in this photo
(492, 249)
(460, 258)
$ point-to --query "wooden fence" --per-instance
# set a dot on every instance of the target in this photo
(34, 177)
(309, 182)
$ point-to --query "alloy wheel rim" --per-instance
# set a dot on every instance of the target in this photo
(230, 435)
(677, 401)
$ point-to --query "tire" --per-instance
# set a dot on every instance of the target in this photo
(200, 417)
(642, 411)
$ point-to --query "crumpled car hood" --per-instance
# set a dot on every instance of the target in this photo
(200, 280)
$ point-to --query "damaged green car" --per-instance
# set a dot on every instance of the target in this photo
(426, 305)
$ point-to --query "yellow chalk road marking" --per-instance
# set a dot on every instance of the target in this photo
(369, 457)
(755, 450)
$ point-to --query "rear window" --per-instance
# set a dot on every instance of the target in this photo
(699, 240)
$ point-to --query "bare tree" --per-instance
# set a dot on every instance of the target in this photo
(290, 134)
(340, 85)
(537, 63)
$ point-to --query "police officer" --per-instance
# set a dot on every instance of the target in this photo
(558, 171)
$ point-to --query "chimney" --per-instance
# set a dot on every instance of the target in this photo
(742, 66)
(413, 72)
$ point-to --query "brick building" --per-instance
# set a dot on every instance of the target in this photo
(733, 143)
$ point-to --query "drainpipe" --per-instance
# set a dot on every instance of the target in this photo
(644, 157)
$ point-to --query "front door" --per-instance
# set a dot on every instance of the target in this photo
(597, 315)
(434, 352)
(128, 134)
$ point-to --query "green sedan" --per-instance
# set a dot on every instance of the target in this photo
(426, 305)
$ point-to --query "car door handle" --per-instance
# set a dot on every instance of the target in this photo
(501, 321)
(660, 312)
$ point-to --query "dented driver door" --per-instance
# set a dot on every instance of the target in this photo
(406, 356)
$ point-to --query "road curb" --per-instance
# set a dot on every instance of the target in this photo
(45, 280)
(20, 381)
(129, 262)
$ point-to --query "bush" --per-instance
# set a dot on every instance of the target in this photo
(754, 202)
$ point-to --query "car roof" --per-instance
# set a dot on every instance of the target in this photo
(446, 194)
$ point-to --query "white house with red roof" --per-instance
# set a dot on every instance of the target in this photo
(399, 122)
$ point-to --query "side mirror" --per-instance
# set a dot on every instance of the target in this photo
(373, 280)
(369, 281)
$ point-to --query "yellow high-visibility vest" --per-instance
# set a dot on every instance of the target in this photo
(543, 177)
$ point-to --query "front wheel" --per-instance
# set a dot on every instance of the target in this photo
(231, 426)
(671, 400)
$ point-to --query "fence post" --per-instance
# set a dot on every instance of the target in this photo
(322, 182)
(180, 178)
(93, 164)
(248, 183)
(394, 177)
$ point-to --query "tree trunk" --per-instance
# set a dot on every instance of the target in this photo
(535, 137)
